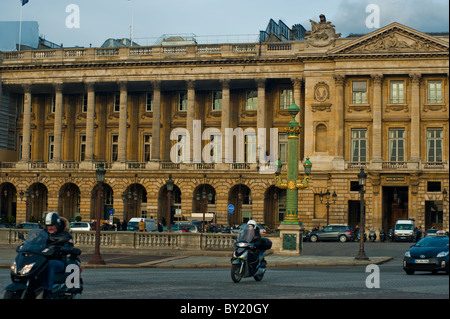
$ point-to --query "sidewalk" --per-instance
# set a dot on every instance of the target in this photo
(213, 259)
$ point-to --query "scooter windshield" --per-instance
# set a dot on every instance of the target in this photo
(246, 234)
(36, 241)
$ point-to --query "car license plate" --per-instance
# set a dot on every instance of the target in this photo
(421, 261)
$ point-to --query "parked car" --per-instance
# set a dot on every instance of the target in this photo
(80, 226)
(339, 232)
(28, 225)
(431, 232)
(188, 226)
(428, 254)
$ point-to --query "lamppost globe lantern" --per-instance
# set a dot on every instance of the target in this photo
(100, 173)
(307, 166)
(293, 109)
(169, 184)
(362, 177)
(334, 196)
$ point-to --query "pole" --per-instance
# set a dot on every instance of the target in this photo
(97, 258)
(20, 25)
(361, 254)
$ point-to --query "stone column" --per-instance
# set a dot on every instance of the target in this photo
(190, 116)
(377, 138)
(122, 152)
(225, 120)
(339, 117)
(90, 121)
(26, 130)
(261, 116)
(156, 125)
(57, 133)
(415, 118)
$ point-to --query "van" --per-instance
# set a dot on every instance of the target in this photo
(404, 230)
(150, 224)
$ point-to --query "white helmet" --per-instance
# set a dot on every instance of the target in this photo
(252, 222)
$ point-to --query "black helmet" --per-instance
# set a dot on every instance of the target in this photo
(52, 219)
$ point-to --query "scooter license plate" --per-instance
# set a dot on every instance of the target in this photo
(421, 261)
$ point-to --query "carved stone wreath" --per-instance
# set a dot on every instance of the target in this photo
(321, 92)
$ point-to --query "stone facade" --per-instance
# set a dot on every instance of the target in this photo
(378, 102)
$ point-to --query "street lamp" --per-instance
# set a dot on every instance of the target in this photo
(100, 174)
(169, 185)
(328, 204)
(362, 178)
(290, 228)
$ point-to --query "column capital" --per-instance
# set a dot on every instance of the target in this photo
(261, 83)
(415, 78)
(377, 78)
(225, 83)
(190, 84)
(297, 82)
(339, 79)
(89, 85)
(123, 85)
(58, 87)
(26, 88)
(156, 85)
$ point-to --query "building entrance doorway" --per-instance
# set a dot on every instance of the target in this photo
(434, 215)
(395, 205)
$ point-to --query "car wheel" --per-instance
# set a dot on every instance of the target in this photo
(409, 271)
(342, 238)
(314, 238)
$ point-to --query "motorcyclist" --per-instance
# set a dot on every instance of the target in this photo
(258, 242)
(61, 240)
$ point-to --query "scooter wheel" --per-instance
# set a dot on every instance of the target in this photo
(236, 274)
(259, 277)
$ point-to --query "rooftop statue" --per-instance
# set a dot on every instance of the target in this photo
(322, 33)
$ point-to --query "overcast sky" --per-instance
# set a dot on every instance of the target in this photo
(103, 19)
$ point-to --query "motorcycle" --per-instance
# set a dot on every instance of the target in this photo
(391, 234)
(241, 266)
(372, 235)
(31, 264)
(382, 236)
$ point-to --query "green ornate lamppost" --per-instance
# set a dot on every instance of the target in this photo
(290, 226)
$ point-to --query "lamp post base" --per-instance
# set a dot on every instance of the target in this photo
(361, 256)
(96, 260)
(291, 238)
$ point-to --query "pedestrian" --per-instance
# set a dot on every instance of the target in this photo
(141, 226)
(124, 225)
(160, 227)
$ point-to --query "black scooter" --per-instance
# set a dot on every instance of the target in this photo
(382, 236)
(31, 264)
(372, 235)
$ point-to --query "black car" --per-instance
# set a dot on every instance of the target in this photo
(342, 233)
(428, 254)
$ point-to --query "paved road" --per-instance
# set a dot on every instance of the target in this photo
(289, 282)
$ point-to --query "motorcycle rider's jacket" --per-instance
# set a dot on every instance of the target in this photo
(61, 240)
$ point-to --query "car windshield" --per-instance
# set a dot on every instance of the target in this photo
(36, 240)
(404, 227)
(432, 242)
(246, 233)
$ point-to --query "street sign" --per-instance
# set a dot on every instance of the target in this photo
(230, 209)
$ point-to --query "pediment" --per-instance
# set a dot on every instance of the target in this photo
(392, 39)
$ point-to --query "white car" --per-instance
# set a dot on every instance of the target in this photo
(80, 226)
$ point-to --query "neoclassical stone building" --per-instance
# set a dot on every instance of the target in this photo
(378, 102)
